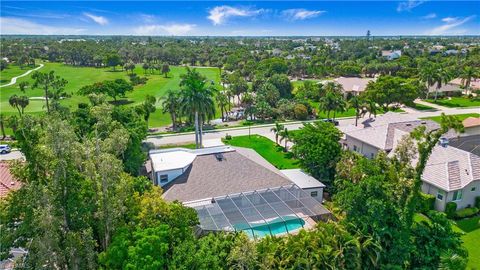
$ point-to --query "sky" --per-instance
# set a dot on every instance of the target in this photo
(246, 18)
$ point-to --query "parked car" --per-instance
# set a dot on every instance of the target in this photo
(333, 121)
(4, 148)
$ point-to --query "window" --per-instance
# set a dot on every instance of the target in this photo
(473, 189)
(372, 155)
(314, 193)
(440, 195)
(355, 148)
(163, 178)
(457, 195)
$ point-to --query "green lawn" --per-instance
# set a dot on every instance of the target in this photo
(267, 149)
(471, 240)
(77, 77)
(470, 228)
(421, 107)
(456, 102)
(11, 71)
(459, 116)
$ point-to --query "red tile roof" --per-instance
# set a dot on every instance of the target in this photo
(7, 182)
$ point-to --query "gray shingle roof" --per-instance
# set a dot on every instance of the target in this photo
(208, 177)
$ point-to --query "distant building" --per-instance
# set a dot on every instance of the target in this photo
(352, 85)
(391, 55)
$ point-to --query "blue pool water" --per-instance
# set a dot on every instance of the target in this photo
(276, 226)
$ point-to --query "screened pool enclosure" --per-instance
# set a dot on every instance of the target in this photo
(259, 213)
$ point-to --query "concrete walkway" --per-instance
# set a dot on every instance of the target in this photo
(433, 105)
(14, 79)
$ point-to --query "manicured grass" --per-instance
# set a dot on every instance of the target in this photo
(456, 102)
(11, 71)
(471, 241)
(188, 146)
(421, 107)
(267, 149)
(470, 228)
(459, 116)
(78, 77)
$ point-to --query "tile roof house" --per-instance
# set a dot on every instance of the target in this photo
(452, 173)
(352, 85)
(472, 126)
(7, 181)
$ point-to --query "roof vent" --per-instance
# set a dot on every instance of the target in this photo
(424, 122)
(443, 142)
(12, 183)
(219, 156)
(213, 200)
(408, 124)
(466, 171)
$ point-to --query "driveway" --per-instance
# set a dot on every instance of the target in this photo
(12, 155)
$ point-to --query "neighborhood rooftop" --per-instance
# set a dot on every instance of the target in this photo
(235, 171)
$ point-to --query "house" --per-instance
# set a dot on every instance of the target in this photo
(235, 189)
(472, 126)
(7, 181)
(474, 83)
(452, 172)
(391, 55)
(352, 85)
(447, 89)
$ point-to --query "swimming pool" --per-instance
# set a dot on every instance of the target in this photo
(273, 227)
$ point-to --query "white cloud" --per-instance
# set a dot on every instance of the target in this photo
(98, 19)
(450, 26)
(15, 26)
(169, 29)
(429, 16)
(449, 19)
(409, 5)
(301, 14)
(220, 14)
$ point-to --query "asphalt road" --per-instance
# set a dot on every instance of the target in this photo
(159, 140)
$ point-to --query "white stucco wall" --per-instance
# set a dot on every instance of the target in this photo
(319, 191)
(470, 131)
(468, 196)
(367, 150)
(172, 175)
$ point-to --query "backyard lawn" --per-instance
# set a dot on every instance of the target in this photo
(267, 149)
(78, 77)
(459, 116)
(456, 102)
(470, 228)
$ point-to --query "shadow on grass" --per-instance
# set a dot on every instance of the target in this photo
(469, 224)
(120, 102)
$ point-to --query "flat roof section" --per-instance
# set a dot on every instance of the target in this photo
(302, 179)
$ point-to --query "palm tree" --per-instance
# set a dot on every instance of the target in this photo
(197, 99)
(23, 102)
(357, 104)
(427, 76)
(372, 108)
(443, 76)
(222, 102)
(339, 105)
(171, 105)
(327, 103)
(467, 74)
(2, 125)
(13, 101)
(277, 129)
(285, 136)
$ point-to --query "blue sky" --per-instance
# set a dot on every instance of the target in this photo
(231, 18)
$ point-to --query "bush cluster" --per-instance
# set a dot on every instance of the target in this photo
(450, 209)
(466, 212)
(426, 203)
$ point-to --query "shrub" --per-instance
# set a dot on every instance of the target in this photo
(477, 201)
(426, 203)
(450, 209)
(466, 212)
(228, 137)
(300, 112)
